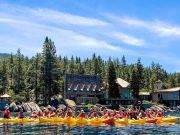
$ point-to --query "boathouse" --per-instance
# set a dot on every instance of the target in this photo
(82, 88)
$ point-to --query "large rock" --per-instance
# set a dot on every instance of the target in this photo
(13, 107)
(30, 106)
(70, 103)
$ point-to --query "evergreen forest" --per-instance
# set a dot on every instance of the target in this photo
(42, 76)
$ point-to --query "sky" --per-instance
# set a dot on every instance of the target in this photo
(146, 29)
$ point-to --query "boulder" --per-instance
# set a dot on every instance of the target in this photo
(13, 107)
(30, 106)
(70, 103)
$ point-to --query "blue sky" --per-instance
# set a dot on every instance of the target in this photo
(149, 29)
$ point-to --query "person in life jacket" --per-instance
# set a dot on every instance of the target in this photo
(93, 115)
(69, 113)
(159, 114)
(39, 114)
(6, 113)
(51, 112)
(21, 114)
(46, 113)
(61, 113)
(103, 112)
(113, 113)
(119, 115)
(82, 114)
(107, 115)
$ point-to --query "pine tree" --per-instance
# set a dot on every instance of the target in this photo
(4, 77)
(49, 70)
(113, 90)
(18, 74)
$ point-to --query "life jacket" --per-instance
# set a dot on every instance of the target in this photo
(93, 115)
(69, 114)
(82, 115)
(62, 114)
(125, 114)
(39, 114)
(113, 114)
(143, 114)
(148, 115)
(119, 116)
(106, 115)
(159, 114)
(6, 114)
(52, 114)
(46, 114)
(20, 115)
(133, 114)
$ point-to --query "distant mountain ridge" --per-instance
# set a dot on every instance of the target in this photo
(4, 55)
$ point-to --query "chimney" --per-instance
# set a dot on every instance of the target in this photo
(158, 85)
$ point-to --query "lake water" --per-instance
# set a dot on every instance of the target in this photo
(50, 129)
(53, 129)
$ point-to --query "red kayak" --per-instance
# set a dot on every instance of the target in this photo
(110, 121)
(151, 120)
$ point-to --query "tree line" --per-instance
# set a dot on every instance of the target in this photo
(42, 76)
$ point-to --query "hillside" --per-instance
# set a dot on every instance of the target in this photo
(4, 55)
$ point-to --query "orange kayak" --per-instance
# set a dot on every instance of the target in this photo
(110, 121)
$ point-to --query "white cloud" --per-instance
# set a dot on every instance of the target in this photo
(65, 39)
(159, 27)
(48, 15)
(128, 39)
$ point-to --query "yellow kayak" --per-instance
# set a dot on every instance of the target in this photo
(168, 120)
(45, 120)
(96, 120)
(58, 119)
(139, 121)
(121, 121)
(81, 121)
(69, 120)
(16, 120)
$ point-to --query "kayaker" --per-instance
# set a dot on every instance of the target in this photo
(21, 114)
(125, 114)
(119, 115)
(94, 115)
(46, 113)
(51, 112)
(6, 113)
(69, 113)
(61, 113)
(113, 113)
(82, 114)
(103, 112)
(141, 114)
(33, 114)
(148, 114)
(91, 111)
(159, 114)
(107, 115)
(39, 114)
(133, 114)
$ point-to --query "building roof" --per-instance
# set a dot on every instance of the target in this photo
(169, 90)
(122, 83)
(144, 93)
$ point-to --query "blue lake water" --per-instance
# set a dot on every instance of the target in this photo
(53, 129)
